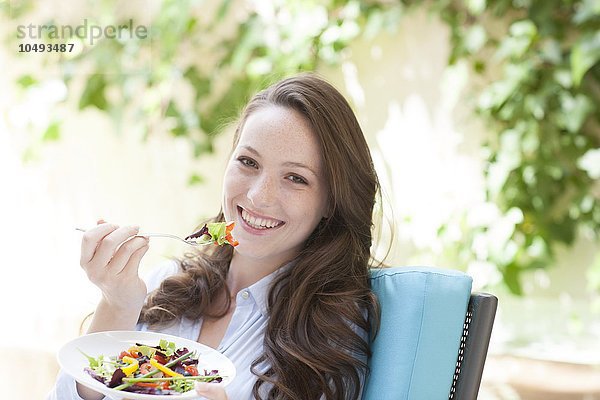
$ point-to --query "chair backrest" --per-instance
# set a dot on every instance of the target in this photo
(474, 342)
(416, 352)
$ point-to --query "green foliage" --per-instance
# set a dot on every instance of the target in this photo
(198, 69)
(544, 108)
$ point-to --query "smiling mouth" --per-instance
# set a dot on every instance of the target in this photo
(260, 223)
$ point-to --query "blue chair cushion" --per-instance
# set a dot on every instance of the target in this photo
(422, 315)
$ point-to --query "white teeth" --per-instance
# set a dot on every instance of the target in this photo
(258, 223)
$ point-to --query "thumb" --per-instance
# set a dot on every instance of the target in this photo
(211, 391)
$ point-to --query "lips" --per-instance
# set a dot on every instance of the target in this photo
(259, 222)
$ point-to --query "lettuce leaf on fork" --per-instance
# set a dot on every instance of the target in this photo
(218, 233)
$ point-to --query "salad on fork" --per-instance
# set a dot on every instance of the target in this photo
(218, 233)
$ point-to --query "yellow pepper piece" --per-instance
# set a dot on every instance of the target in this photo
(132, 367)
(162, 368)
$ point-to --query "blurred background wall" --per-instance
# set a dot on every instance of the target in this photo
(417, 114)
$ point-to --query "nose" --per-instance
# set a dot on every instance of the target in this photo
(262, 191)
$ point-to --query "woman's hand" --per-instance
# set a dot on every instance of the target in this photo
(110, 256)
(211, 391)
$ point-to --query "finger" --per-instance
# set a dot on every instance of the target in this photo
(91, 238)
(212, 391)
(100, 221)
(132, 267)
(123, 255)
(110, 244)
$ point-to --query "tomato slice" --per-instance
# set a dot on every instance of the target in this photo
(148, 384)
(191, 369)
(156, 385)
(160, 359)
(145, 368)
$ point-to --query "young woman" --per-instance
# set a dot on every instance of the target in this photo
(290, 305)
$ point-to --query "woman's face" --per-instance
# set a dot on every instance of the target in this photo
(274, 188)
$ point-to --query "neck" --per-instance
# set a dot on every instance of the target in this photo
(244, 271)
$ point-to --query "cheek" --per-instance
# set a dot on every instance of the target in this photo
(232, 178)
(308, 209)
(231, 187)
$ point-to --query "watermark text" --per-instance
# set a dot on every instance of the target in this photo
(86, 31)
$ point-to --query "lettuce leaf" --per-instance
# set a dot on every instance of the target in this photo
(217, 231)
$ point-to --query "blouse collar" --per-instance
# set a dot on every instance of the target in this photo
(260, 289)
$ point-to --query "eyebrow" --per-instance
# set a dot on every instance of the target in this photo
(287, 164)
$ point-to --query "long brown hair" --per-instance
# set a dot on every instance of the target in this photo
(318, 307)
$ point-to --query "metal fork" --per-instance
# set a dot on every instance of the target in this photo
(164, 235)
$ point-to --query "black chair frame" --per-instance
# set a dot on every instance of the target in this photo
(474, 343)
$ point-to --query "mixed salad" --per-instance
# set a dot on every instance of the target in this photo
(158, 370)
(218, 233)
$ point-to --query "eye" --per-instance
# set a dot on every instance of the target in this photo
(248, 162)
(297, 179)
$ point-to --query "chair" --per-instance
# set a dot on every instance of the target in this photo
(433, 338)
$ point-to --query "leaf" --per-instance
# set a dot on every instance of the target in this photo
(590, 163)
(180, 129)
(252, 40)
(550, 51)
(168, 347)
(498, 93)
(479, 66)
(94, 93)
(92, 361)
(524, 27)
(518, 42)
(585, 54)
(587, 10)
(195, 179)
(512, 279)
(574, 111)
(172, 110)
(476, 7)
(201, 84)
(475, 38)
(26, 80)
(191, 25)
(563, 77)
(52, 133)
(223, 9)
(217, 230)
(563, 230)
(203, 147)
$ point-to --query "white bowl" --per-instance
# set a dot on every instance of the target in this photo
(112, 343)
